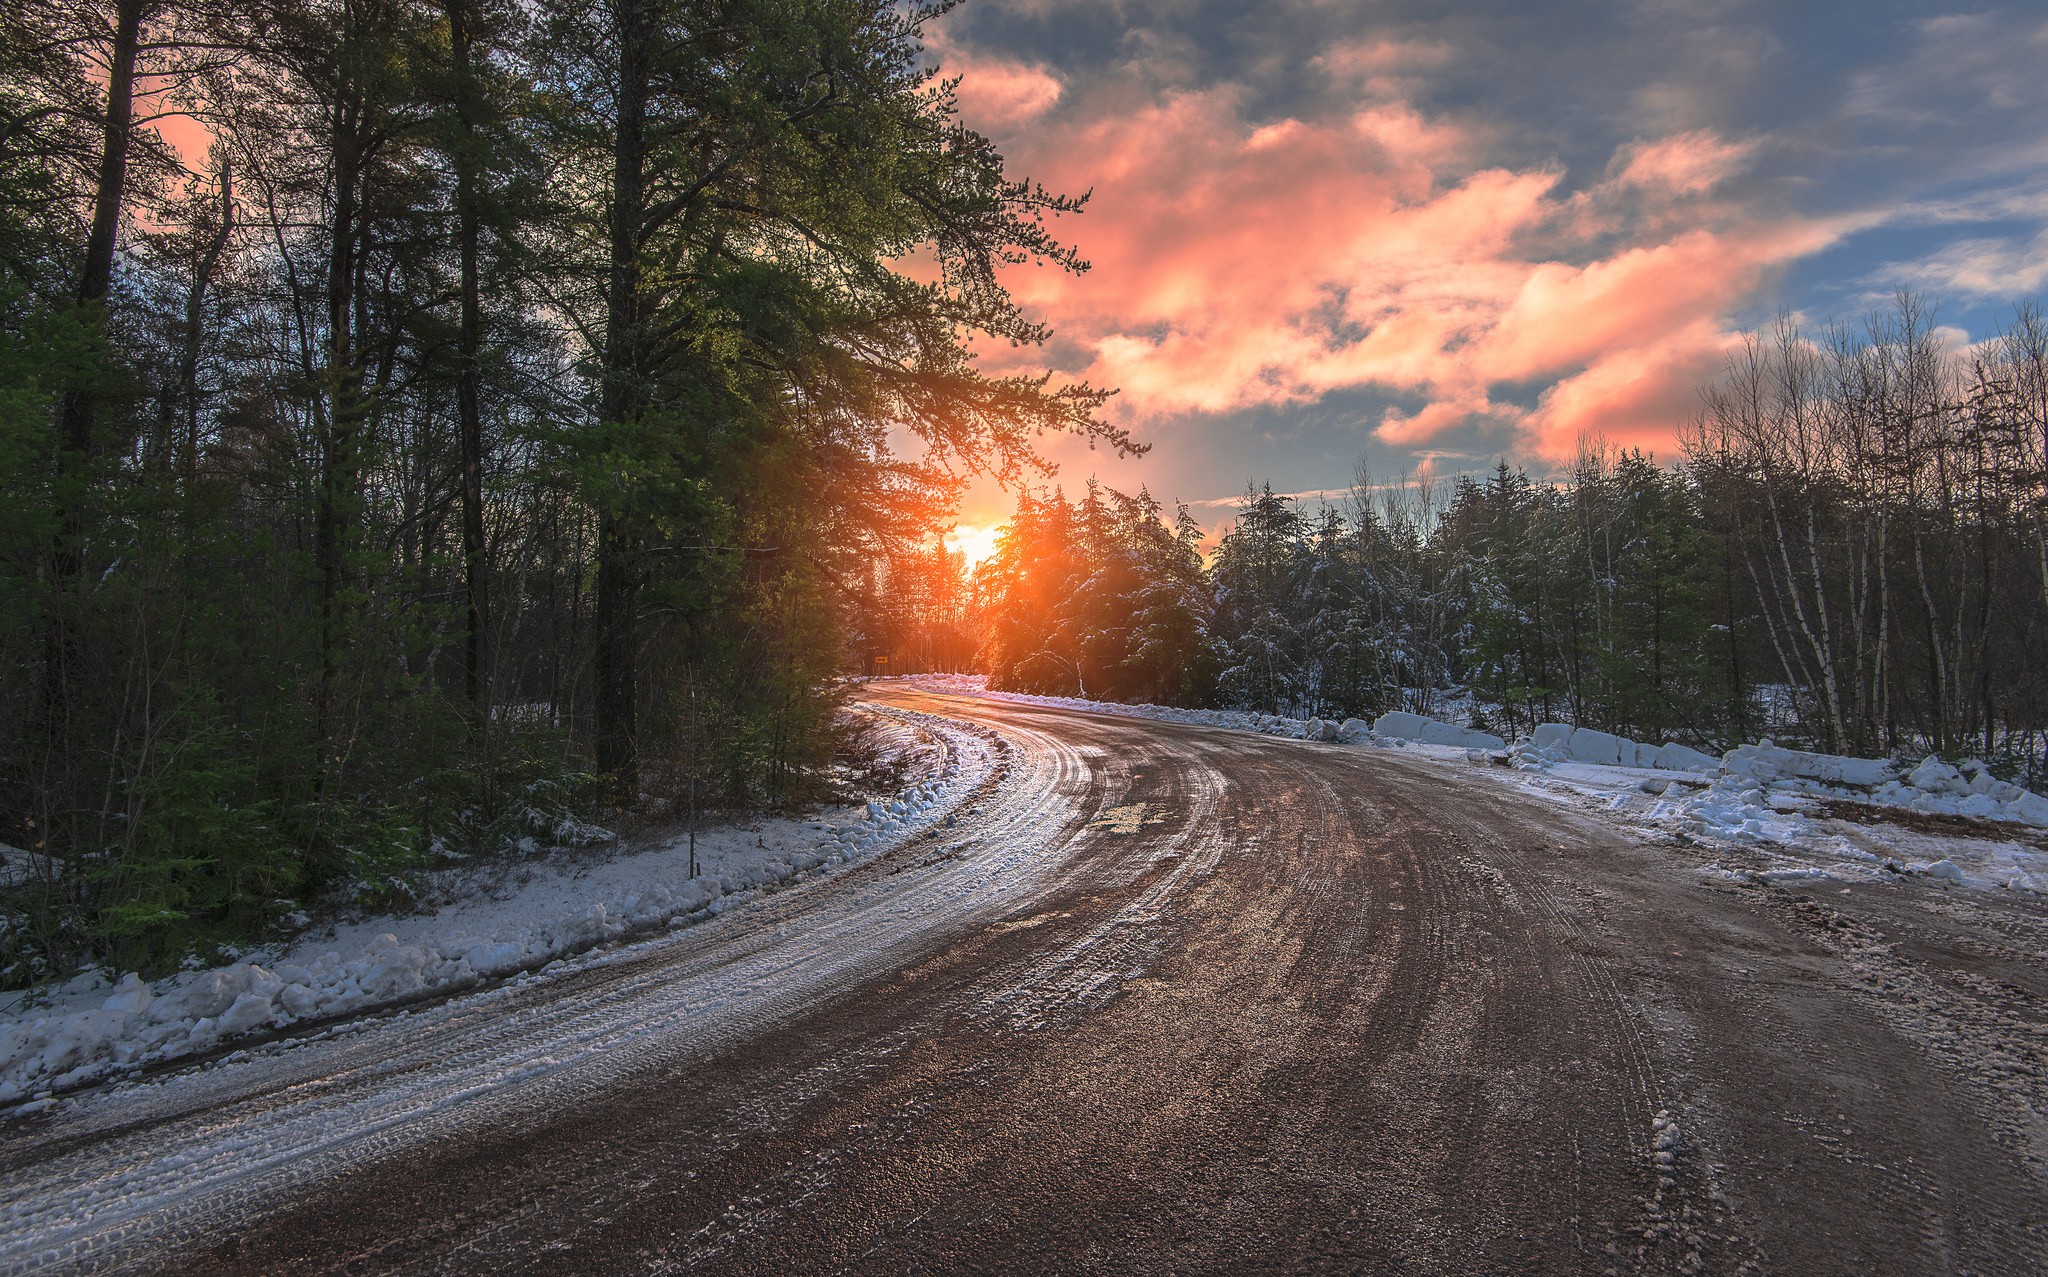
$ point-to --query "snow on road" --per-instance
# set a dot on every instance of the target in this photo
(1781, 815)
(111, 1178)
(182, 1156)
(480, 923)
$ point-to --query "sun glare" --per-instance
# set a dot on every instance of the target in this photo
(974, 541)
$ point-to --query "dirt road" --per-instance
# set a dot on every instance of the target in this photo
(1165, 999)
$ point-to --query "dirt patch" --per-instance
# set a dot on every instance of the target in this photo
(1921, 822)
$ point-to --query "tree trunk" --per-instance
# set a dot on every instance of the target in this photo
(617, 567)
(97, 277)
(468, 409)
(336, 500)
(195, 301)
(75, 413)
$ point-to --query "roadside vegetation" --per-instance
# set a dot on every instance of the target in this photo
(1850, 554)
(459, 415)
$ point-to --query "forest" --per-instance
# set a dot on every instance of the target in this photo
(424, 420)
(1850, 554)
(429, 423)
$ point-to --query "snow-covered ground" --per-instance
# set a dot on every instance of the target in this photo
(1778, 814)
(109, 1177)
(475, 924)
(1236, 720)
(1786, 830)
(1771, 813)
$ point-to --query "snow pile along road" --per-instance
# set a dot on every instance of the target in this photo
(1809, 815)
(1553, 743)
(1234, 720)
(1933, 787)
(1762, 797)
(499, 920)
(1399, 725)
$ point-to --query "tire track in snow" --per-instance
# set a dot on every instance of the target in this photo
(182, 1157)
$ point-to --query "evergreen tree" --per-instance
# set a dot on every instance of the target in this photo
(1262, 576)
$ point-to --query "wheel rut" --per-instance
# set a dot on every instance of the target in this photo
(1171, 1000)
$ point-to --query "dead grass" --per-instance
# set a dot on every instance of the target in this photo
(1921, 822)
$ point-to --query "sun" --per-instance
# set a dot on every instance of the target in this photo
(973, 541)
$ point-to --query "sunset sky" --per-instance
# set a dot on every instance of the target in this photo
(1429, 233)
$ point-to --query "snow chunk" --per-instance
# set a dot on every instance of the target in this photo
(1560, 742)
(132, 997)
(1674, 757)
(1600, 748)
(1936, 777)
(1401, 725)
(1767, 762)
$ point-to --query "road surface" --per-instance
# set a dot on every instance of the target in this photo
(1165, 999)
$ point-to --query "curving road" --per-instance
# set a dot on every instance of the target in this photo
(1165, 999)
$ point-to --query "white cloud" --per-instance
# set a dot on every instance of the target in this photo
(1988, 267)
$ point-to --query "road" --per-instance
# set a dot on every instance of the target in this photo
(1165, 999)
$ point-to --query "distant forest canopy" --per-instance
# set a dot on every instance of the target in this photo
(1851, 553)
(494, 419)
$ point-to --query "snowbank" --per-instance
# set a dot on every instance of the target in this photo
(1782, 822)
(1933, 787)
(1774, 811)
(1232, 719)
(1553, 743)
(504, 917)
(1967, 789)
(1401, 725)
(1674, 757)
(1396, 727)
(1755, 796)
(1768, 762)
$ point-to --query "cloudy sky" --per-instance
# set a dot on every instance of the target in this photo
(1440, 232)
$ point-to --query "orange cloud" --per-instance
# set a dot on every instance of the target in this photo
(1634, 398)
(1242, 264)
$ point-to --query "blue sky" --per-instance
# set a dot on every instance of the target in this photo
(1433, 235)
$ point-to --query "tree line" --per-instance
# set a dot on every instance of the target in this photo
(1850, 552)
(497, 414)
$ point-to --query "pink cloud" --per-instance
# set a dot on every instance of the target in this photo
(1632, 398)
(1567, 316)
(999, 94)
(1242, 264)
(1686, 164)
(995, 94)
(1433, 418)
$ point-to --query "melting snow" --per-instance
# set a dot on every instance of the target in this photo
(1762, 798)
(498, 919)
